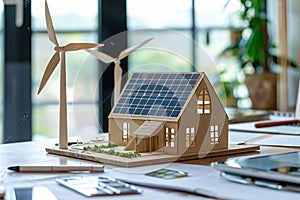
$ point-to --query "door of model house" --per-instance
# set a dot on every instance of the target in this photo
(148, 144)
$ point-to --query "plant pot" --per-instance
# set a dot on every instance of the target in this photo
(235, 35)
(262, 90)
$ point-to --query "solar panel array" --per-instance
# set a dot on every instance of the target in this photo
(156, 94)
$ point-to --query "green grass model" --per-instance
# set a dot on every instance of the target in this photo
(102, 149)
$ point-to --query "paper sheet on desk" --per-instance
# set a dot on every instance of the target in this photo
(148, 194)
(250, 127)
(203, 178)
(242, 137)
(276, 116)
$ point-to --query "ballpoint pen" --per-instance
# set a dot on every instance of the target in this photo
(260, 182)
(276, 123)
(58, 168)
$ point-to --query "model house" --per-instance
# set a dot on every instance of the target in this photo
(175, 113)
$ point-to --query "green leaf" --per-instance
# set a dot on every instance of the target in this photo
(255, 46)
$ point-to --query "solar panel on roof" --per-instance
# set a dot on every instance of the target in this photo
(156, 94)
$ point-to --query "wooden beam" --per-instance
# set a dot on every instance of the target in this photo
(283, 56)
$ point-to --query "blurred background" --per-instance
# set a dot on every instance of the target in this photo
(239, 38)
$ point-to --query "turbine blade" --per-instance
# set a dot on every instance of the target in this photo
(128, 51)
(50, 29)
(102, 56)
(49, 70)
(80, 46)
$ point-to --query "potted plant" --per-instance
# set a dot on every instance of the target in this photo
(253, 51)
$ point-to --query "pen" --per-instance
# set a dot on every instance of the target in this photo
(57, 168)
(276, 123)
(261, 182)
(70, 143)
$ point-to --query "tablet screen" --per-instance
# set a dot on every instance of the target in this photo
(287, 163)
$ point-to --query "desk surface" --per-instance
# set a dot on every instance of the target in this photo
(34, 153)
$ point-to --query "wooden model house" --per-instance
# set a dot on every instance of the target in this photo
(174, 113)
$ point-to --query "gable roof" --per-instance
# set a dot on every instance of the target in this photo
(156, 94)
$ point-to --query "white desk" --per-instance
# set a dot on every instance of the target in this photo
(34, 153)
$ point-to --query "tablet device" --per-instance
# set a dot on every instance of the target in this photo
(32, 193)
(281, 171)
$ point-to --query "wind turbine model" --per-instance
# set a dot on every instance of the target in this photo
(118, 70)
(60, 52)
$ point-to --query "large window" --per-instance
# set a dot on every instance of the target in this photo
(189, 36)
(162, 21)
(193, 23)
(72, 24)
(179, 28)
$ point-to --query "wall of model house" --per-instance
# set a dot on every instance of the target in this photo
(293, 25)
(207, 138)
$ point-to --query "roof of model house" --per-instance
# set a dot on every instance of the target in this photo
(156, 95)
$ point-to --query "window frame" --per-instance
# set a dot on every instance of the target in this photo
(17, 103)
(107, 27)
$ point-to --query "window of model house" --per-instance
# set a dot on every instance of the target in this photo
(203, 102)
(172, 143)
(170, 137)
(125, 131)
(214, 134)
(190, 137)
